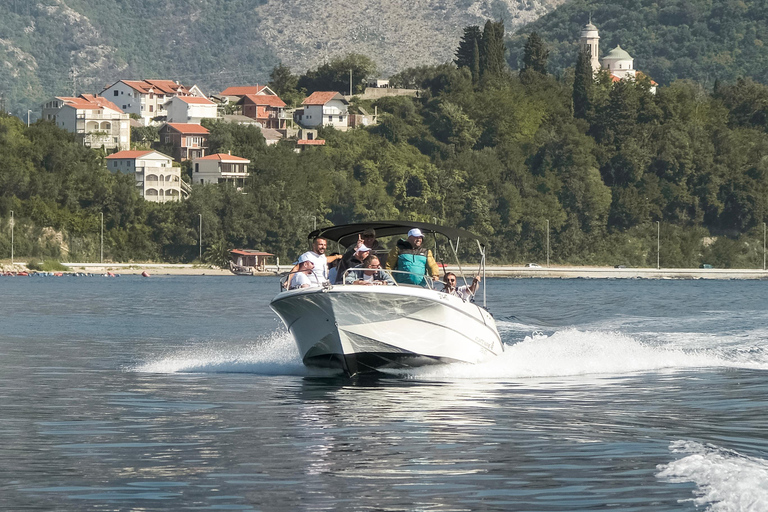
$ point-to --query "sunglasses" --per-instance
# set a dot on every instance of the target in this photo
(451, 280)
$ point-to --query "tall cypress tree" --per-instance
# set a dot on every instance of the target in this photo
(465, 52)
(492, 62)
(476, 62)
(535, 55)
(583, 82)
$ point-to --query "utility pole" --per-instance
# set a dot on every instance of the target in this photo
(350, 82)
(200, 231)
(763, 245)
(658, 245)
(12, 223)
(547, 243)
(101, 251)
(29, 112)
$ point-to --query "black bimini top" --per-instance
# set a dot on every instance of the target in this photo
(346, 234)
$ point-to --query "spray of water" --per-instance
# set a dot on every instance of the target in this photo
(725, 479)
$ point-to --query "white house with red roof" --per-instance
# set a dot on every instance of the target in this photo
(220, 168)
(147, 98)
(156, 178)
(188, 140)
(190, 109)
(95, 120)
(324, 108)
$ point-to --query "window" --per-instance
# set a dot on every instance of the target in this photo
(124, 107)
(197, 168)
(151, 108)
(117, 92)
(341, 118)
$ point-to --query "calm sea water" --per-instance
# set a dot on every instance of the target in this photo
(186, 393)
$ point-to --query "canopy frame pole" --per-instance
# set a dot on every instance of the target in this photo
(481, 247)
(456, 255)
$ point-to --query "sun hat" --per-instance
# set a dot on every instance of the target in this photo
(416, 232)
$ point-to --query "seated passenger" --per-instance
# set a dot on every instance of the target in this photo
(358, 256)
(304, 277)
(412, 257)
(368, 239)
(369, 273)
(464, 292)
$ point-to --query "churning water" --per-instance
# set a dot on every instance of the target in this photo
(186, 393)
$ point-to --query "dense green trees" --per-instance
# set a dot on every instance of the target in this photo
(598, 162)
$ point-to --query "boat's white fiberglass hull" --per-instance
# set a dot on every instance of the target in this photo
(363, 328)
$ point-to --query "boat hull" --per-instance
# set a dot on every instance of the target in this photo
(361, 329)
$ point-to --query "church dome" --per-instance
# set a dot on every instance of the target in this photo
(618, 54)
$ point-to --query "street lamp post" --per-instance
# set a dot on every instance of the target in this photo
(101, 249)
(658, 245)
(200, 233)
(12, 223)
(547, 243)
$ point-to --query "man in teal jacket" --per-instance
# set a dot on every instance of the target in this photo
(411, 256)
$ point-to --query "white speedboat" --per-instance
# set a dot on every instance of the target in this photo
(360, 329)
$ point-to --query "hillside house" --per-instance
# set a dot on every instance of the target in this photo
(96, 121)
(220, 168)
(236, 93)
(189, 109)
(188, 140)
(267, 109)
(324, 108)
(156, 177)
(147, 98)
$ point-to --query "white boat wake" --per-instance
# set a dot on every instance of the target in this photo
(726, 480)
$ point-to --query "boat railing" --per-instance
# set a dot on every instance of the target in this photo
(417, 280)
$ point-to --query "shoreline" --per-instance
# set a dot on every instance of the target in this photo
(508, 271)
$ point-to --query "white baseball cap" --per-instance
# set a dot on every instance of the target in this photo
(363, 248)
(304, 257)
(415, 232)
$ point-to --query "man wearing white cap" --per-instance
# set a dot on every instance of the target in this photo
(304, 276)
(411, 256)
(358, 256)
(319, 259)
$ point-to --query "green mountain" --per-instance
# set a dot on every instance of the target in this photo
(61, 47)
(701, 40)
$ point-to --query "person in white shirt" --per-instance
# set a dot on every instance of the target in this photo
(319, 259)
(304, 276)
(463, 292)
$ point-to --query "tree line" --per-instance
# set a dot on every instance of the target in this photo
(501, 153)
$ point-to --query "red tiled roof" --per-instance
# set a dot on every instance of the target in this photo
(90, 102)
(133, 154)
(194, 100)
(321, 97)
(242, 90)
(265, 99)
(316, 142)
(167, 86)
(223, 157)
(188, 128)
(157, 86)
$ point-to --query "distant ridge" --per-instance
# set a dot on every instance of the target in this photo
(67, 47)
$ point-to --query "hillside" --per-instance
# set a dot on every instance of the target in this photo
(701, 40)
(58, 47)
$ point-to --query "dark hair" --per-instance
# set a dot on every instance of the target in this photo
(367, 261)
